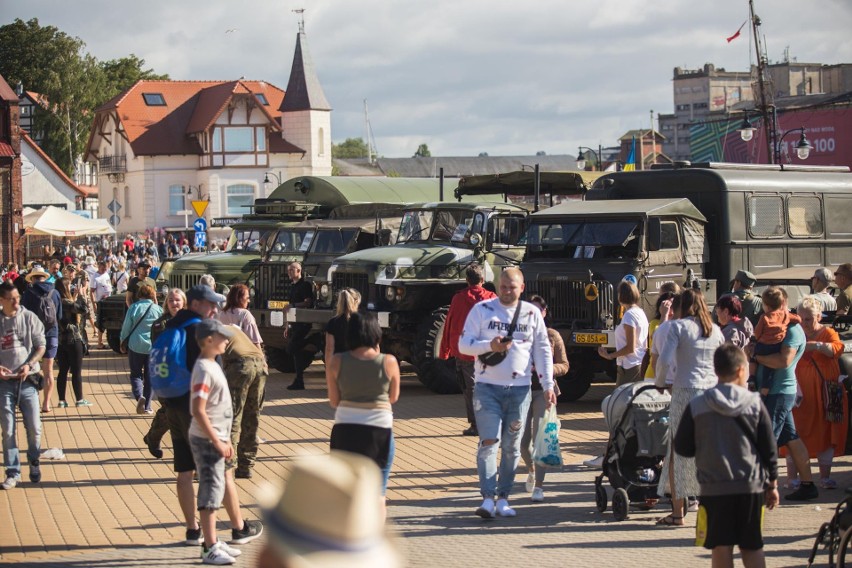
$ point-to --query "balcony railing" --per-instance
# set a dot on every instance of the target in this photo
(112, 164)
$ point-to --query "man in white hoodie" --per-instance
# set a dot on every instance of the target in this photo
(501, 396)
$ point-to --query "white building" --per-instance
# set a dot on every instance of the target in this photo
(161, 144)
(44, 183)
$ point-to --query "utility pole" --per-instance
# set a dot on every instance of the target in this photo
(766, 107)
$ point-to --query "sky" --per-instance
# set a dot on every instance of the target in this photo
(462, 76)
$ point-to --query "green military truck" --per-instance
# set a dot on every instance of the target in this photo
(768, 219)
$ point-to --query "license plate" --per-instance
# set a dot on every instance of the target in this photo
(590, 338)
(277, 304)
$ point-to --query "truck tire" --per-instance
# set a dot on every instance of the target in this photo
(573, 385)
(438, 375)
(280, 359)
(114, 339)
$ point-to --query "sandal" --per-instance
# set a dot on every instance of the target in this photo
(670, 521)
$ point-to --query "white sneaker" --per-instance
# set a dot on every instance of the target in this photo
(594, 462)
(486, 510)
(503, 508)
(530, 483)
(537, 495)
(230, 549)
(12, 481)
(216, 555)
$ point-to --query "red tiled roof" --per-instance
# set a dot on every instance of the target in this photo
(191, 107)
(25, 138)
(6, 150)
(9, 94)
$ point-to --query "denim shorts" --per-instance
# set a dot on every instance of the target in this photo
(51, 347)
(780, 408)
(210, 466)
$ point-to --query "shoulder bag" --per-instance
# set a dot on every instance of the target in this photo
(832, 397)
(493, 358)
(125, 345)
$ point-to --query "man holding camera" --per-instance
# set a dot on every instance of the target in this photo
(507, 336)
(22, 344)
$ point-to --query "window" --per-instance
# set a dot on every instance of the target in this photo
(699, 105)
(126, 209)
(176, 199)
(217, 139)
(154, 99)
(262, 98)
(682, 107)
(669, 238)
(239, 139)
(321, 142)
(507, 230)
(766, 216)
(804, 216)
(239, 198)
(260, 133)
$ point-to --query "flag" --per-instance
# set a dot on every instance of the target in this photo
(630, 164)
(736, 35)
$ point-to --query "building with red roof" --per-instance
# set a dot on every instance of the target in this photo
(11, 221)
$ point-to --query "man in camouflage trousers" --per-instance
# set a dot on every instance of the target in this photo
(246, 370)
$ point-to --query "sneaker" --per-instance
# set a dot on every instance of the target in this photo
(692, 505)
(503, 508)
(84, 402)
(250, 531)
(149, 411)
(296, 386)
(140, 405)
(472, 431)
(242, 474)
(793, 484)
(11, 482)
(594, 462)
(529, 485)
(230, 550)
(216, 555)
(153, 449)
(537, 495)
(62, 404)
(486, 510)
(35, 471)
(805, 492)
(193, 537)
(827, 483)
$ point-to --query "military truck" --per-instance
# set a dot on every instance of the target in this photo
(762, 218)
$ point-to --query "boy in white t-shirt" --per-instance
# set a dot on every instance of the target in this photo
(210, 436)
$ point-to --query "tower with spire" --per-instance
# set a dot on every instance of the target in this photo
(306, 114)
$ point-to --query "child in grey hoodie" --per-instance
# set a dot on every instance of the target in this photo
(728, 431)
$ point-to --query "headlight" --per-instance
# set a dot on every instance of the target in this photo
(390, 271)
(400, 293)
(390, 293)
(324, 291)
(252, 292)
(164, 290)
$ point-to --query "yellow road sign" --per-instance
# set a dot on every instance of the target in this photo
(591, 292)
(200, 207)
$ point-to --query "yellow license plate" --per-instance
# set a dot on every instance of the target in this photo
(277, 304)
(590, 338)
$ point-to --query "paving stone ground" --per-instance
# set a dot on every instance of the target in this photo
(109, 504)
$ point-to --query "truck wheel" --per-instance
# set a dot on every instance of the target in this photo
(114, 339)
(573, 385)
(438, 375)
(280, 359)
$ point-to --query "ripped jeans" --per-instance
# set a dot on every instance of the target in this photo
(500, 415)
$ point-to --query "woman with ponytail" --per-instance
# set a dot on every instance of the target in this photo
(348, 301)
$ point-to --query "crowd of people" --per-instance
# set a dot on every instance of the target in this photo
(506, 359)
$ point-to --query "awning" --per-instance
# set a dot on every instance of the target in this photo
(58, 222)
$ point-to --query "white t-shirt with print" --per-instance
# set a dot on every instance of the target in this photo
(210, 384)
(102, 286)
(634, 317)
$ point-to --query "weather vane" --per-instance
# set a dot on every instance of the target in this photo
(301, 12)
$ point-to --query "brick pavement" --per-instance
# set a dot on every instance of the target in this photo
(110, 504)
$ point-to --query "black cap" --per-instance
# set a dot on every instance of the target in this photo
(202, 292)
(144, 264)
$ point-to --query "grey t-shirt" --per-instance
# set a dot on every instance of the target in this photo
(209, 383)
(19, 335)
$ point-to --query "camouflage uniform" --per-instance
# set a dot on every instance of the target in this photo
(245, 368)
(752, 304)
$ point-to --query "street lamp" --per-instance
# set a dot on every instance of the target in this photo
(581, 159)
(803, 147)
(746, 129)
(267, 183)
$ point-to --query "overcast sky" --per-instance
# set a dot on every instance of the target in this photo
(463, 76)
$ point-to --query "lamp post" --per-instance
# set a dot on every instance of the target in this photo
(803, 147)
(581, 159)
(267, 183)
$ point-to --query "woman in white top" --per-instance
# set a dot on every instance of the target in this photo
(121, 277)
(631, 337)
(236, 313)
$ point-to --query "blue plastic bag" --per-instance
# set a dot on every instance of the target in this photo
(546, 451)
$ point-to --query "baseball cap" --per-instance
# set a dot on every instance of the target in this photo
(208, 327)
(745, 277)
(144, 264)
(202, 292)
(823, 274)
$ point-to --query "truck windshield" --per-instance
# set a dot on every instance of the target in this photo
(292, 240)
(333, 241)
(447, 225)
(578, 239)
(246, 240)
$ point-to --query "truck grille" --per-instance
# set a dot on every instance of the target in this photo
(567, 303)
(184, 281)
(271, 283)
(360, 282)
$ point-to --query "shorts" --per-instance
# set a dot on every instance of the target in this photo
(780, 408)
(179, 418)
(211, 473)
(51, 347)
(731, 520)
(370, 441)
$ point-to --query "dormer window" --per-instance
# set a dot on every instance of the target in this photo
(154, 99)
(262, 98)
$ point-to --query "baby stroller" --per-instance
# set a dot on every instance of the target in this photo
(637, 416)
(835, 535)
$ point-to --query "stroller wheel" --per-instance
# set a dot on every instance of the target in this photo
(620, 504)
(824, 531)
(600, 497)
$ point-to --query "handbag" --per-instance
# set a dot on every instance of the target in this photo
(493, 358)
(546, 451)
(125, 343)
(832, 397)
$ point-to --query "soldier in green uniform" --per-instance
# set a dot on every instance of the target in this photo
(843, 279)
(742, 288)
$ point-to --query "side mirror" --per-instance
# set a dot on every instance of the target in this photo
(655, 234)
(476, 239)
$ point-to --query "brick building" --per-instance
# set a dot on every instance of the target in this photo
(11, 222)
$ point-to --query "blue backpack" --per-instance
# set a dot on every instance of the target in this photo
(167, 362)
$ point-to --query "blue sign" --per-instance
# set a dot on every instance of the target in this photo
(200, 239)
(200, 225)
(630, 278)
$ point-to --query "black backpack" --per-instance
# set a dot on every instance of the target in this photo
(46, 311)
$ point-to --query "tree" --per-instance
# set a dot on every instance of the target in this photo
(120, 74)
(349, 148)
(423, 152)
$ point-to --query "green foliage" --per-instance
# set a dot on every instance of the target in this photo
(71, 82)
(423, 152)
(349, 148)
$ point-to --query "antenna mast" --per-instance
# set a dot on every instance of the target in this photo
(368, 136)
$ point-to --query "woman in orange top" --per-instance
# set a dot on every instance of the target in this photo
(824, 439)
